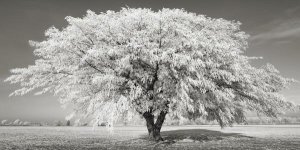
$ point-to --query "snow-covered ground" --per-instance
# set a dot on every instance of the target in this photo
(135, 137)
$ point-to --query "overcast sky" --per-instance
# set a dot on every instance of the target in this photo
(274, 26)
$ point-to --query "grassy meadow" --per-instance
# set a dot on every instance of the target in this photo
(266, 137)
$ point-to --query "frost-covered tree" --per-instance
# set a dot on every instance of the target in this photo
(4, 122)
(16, 122)
(153, 63)
(26, 123)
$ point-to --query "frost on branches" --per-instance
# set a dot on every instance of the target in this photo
(153, 63)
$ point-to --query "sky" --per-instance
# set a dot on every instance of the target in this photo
(273, 26)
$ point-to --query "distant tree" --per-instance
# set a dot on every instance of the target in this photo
(21, 123)
(68, 123)
(26, 123)
(155, 63)
(4, 122)
(16, 122)
(57, 123)
(103, 124)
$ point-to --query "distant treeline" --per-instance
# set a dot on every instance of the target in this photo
(280, 120)
(168, 121)
(250, 121)
(19, 122)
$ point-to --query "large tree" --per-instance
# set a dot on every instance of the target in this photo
(154, 63)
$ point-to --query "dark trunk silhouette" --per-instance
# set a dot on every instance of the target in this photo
(154, 127)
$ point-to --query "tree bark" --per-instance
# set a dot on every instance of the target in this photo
(154, 128)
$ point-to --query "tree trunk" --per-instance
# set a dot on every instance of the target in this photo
(154, 128)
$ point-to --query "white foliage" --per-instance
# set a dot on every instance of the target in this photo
(4, 122)
(140, 60)
(17, 122)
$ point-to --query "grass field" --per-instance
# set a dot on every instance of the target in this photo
(180, 137)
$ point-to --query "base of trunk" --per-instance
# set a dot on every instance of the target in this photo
(155, 135)
(154, 128)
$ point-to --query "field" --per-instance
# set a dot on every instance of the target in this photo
(135, 137)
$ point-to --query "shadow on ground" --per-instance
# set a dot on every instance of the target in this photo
(200, 135)
(189, 137)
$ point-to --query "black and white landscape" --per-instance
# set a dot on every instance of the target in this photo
(161, 74)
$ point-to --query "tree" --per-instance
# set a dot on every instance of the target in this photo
(16, 122)
(26, 123)
(4, 122)
(68, 123)
(154, 63)
(58, 123)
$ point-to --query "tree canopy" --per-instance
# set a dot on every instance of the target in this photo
(152, 62)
